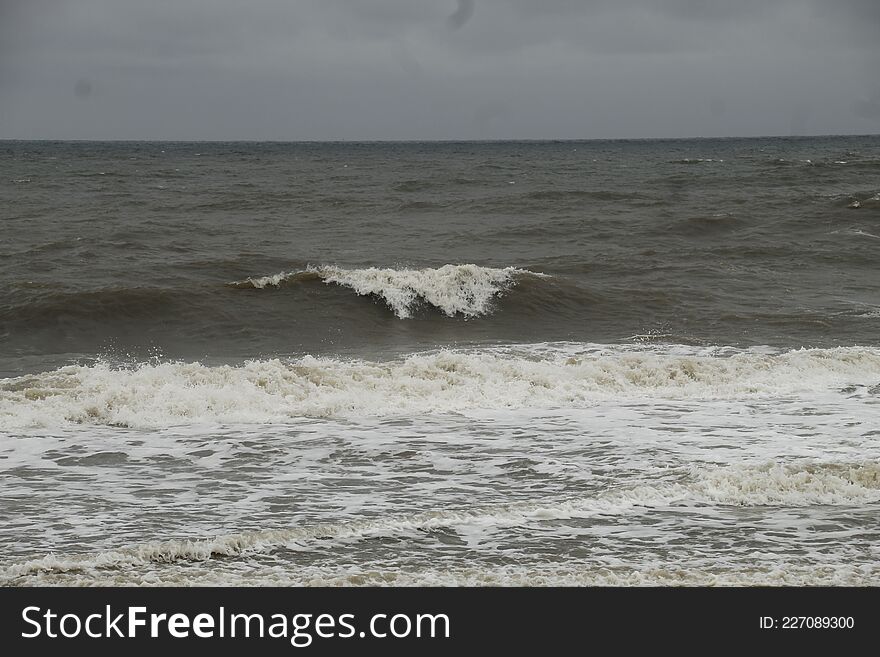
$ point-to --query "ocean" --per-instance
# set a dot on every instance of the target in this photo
(645, 362)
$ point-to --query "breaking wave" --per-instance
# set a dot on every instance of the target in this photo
(465, 290)
(446, 381)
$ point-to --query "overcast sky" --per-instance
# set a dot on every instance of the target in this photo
(437, 69)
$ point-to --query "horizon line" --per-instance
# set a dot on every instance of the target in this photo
(432, 141)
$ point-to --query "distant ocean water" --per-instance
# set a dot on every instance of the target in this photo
(522, 363)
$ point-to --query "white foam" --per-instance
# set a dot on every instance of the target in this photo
(536, 376)
(454, 289)
(790, 485)
(778, 573)
(265, 281)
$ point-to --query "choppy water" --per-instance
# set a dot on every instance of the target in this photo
(629, 362)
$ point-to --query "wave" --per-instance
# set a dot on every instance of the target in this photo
(704, 225)
(47, 303)
(766, 484)
(277, 280)
(447, 381)
(466, 290)
(862, 233)
(780, 573)
(597, 195)
(862, 200)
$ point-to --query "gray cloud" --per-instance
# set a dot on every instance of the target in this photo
(462, 14)
(376, 69)
(868, 108)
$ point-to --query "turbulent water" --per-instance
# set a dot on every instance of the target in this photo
(536, 363)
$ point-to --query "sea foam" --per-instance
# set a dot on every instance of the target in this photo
(447, 381)
(766, 484)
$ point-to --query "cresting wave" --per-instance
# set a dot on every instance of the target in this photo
(454, 289)
(447, 381)
(767, 484)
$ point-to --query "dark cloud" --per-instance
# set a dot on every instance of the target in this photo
(327, 69)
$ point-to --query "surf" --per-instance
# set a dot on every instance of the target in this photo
(752, 485)
(564, 375)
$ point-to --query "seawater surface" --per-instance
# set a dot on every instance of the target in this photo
(516, 363)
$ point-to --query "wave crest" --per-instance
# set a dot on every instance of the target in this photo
(448, 381)
(465, 290)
